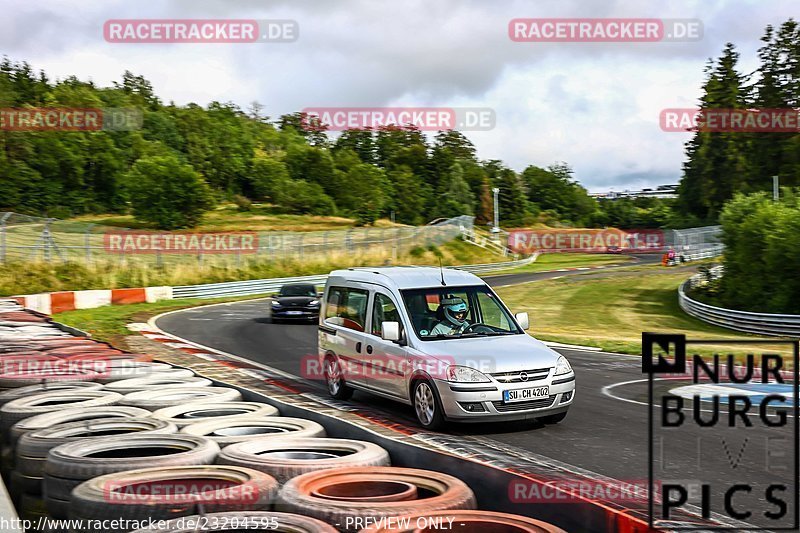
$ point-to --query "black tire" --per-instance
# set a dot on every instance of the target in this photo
(267, 429)
(22, 408)
(33, 447)
(427, 407)
(288, 457)
(553, 419)
(246, 520)
(58, 509)
(20, 392)
(71, 464)
(337, 386)
(64, 416)
(183, 415)
(22, 484)
(96, 500)
(159, 399)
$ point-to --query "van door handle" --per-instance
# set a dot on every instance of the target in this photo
(369, 348)
(358, 347)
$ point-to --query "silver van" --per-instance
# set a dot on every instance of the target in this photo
(440, 340)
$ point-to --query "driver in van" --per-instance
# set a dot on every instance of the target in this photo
(452, 315)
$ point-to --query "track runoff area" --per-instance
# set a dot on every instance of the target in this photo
(704, 445)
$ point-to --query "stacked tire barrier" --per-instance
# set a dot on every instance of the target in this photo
(96, 435)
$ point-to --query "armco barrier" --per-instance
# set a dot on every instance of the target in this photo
(58, 302)
(263, 286)
(759, 323)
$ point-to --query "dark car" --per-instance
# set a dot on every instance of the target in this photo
(297, 301)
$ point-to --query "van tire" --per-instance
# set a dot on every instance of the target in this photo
(427, 406)
(337, 387)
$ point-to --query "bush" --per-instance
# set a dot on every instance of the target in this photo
(242, 203)
(301, 197)
(167, 192)
(762, 251)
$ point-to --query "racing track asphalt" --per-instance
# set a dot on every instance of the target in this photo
(602, 434)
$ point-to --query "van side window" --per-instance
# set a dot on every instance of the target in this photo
(383, 310)
(347, 307)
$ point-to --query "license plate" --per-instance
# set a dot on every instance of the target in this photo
(294, 312)
(521, 395)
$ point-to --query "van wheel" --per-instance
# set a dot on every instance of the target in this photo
(427, 406)
(553, 419)
(337, 387)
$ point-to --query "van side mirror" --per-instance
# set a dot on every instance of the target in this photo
(523, 320)
(320, 294)
(390, 331)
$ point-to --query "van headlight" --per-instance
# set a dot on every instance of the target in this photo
(464, 374)
(562, 366)
(275, 303)
(313, 303)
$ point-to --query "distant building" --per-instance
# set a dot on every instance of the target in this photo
(662, 191)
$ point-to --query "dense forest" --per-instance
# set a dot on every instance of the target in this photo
(186, 158)
(720, 164)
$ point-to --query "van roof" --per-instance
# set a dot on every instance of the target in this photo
(406, 277)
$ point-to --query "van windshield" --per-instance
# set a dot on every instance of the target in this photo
(458, 312)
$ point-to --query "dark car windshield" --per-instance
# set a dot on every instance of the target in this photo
(298, 290)
(458, 312)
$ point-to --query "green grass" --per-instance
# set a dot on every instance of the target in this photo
(567, 260)
(108, 323)
(31, 278)
(610, 310)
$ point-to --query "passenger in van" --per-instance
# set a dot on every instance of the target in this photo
(452, 313)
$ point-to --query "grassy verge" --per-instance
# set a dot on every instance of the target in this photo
(610, 310)
(31, 278)
(108, 323)
(556, 261)
(227, 217)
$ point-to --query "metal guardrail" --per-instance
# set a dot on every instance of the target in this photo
(264, 286)
(707, 252)
(759, 323)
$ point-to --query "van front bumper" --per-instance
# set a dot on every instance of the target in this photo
(483, 402)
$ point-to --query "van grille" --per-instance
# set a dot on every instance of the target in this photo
(522, 406)
(517, 376)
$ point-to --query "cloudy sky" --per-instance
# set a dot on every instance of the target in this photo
(595, 106)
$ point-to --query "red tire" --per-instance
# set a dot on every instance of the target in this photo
(345, 497)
